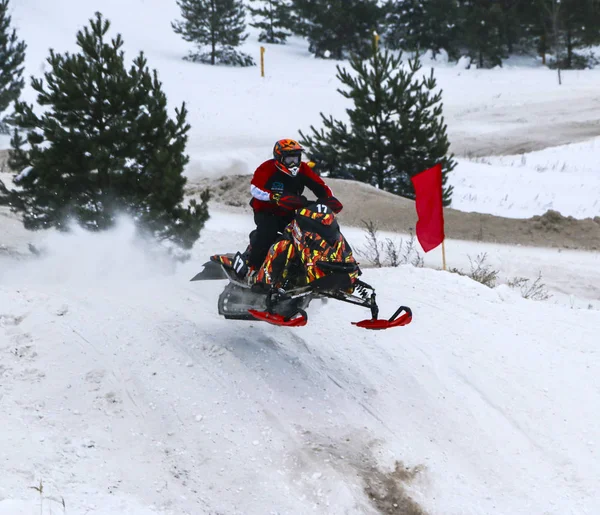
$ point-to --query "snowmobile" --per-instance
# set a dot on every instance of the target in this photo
(310, 260)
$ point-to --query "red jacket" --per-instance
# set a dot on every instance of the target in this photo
(269, 179)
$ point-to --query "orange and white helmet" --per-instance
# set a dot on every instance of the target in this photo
(288, 156)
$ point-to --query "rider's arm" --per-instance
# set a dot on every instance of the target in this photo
(260, 194)
(319, 188)
(314, 183)
(259, 185)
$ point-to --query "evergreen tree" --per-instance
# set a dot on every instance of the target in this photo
(421, 25)
(104, 143)
(580, 24)
(12, 55)
(513, 30)
(216, 24)
(396, 128)
(480, 24)
(275, 16)
(338, 28)
(534, 27)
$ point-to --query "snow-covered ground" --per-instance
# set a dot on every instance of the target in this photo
(564, 178)
(123, 392)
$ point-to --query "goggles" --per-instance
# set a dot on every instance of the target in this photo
(292, 161)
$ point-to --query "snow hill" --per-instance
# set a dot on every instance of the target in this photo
(123, 392)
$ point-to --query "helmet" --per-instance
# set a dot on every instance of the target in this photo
(288, 155)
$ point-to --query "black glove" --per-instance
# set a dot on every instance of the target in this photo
(288, 202)
(332, 203)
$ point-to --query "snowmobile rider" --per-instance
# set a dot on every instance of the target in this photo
(276, 189)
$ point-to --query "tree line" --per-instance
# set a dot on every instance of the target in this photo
(488, 31)
(485, 31)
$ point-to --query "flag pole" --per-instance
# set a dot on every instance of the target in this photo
(444, 254)
(444, 240)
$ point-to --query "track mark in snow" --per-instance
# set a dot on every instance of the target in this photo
(362, 404)
(11, 320)
(343, 384)
(294, 374)
(386, 490)
(512, 422)
(22, 350)
(31, 375)
(95, 378)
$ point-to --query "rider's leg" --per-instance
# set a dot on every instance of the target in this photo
(267, 230)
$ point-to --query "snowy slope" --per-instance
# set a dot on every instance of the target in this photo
(564, 178)
(124, 392)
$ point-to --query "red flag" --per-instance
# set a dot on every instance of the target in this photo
(428, 189)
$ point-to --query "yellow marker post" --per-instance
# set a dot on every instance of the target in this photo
(376, 38)
(262, 61)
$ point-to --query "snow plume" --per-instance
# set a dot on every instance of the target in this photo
(81, 256)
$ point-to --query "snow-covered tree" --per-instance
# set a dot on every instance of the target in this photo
(396, 128)
(12, 56)
(217, 28)
(104, 144)
(273, 17)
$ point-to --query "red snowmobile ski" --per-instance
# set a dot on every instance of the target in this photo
(310, 260)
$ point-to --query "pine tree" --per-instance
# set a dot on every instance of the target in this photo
(421, 25)
(580, 24)
(338, 28)
(396, 128)
(104, 144)
(218, 24)
(512, 27)
(12, 55)
(274, 17)
(480, 24)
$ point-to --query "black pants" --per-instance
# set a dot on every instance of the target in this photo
(267, 230)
